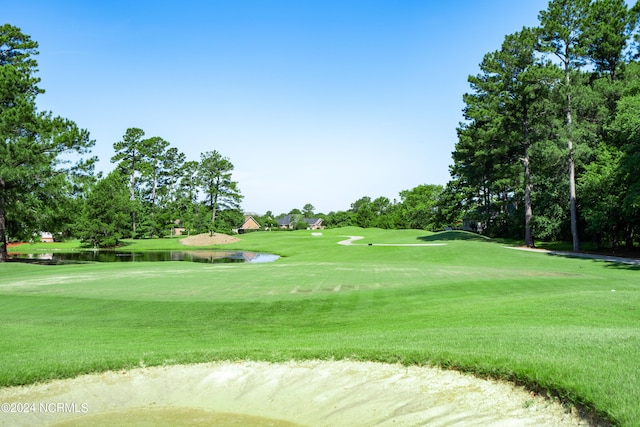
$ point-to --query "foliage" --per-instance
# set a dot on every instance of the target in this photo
(214, 177)
(340, 219)
(228, 220)
(419, 207)
(129, 154)
(34, 178)
(307, 210)
(106, 215)
(535, 114)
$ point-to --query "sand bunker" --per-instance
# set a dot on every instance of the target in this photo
(207, 240)
(308, 393)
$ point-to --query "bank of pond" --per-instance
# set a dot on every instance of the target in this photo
(203, 256)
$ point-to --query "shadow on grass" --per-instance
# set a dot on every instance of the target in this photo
(454, 235)
(622, 266)
(611, 261)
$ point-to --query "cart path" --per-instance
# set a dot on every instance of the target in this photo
(351, 239)
(608, 258)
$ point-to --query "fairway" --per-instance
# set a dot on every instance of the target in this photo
(564, 325)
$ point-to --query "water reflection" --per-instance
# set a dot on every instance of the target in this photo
(209, 257)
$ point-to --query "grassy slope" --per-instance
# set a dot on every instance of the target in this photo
(548, 321)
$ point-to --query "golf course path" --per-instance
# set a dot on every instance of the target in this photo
(307, 393)
(621, 260)
(352, 239)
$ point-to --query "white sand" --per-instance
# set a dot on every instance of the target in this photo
(311, 393)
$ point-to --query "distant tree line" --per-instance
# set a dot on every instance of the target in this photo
(154, 191)
(418, 208)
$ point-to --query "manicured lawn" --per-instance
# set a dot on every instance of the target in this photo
(570, 326)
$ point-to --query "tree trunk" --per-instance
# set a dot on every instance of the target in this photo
(3, 226)
(628, 241)
(214, 207)
(572, 165)
(214, 203)
(213, 218)
(133, 198)
(572, 184)
(153, 207)
(528, 210)
(572, 195)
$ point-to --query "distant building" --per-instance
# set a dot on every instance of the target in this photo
(285, 222)
(288, 222)
(178, 231)
(249, 224)
(314, 223)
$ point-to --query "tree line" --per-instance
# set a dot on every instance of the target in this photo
(48, 180)
(417, 208)
(154, 191)
(549, 147)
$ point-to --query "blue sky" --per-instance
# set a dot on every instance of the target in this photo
(319, 102)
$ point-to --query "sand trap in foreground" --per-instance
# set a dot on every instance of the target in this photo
(308, 393)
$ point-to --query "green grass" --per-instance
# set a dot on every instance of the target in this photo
(550, 322)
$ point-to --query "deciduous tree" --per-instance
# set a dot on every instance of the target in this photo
(106, 214)
(419, 207)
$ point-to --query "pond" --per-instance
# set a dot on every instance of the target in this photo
(205, 256)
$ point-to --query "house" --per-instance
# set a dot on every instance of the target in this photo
(314, 223)
(470, 223)
(289, 222)
(286, 222)
(176, 228)
(47, 237)
(249, 224)
(177, 231)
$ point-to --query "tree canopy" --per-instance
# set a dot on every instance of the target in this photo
(32, 169)
(537, 110)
